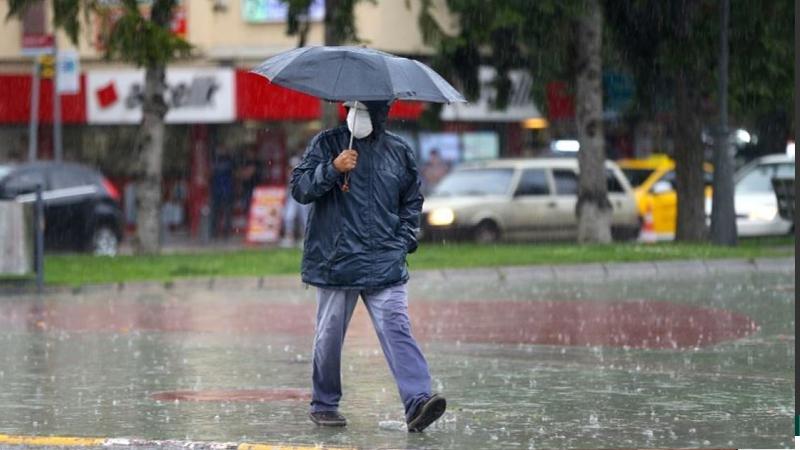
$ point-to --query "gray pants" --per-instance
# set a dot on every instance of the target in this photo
(388, 309)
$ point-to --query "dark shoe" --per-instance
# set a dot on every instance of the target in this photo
(328, 418)
(427, 413)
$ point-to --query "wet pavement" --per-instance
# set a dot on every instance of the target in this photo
(683, 361)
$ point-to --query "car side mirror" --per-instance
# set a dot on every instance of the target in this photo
(661, 187)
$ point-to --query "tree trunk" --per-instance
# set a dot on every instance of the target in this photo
(593, 209)
(150, 149)
(689, 158)
(723, 215)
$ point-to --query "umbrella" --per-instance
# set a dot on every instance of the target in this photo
(345, 73)
(356, 73)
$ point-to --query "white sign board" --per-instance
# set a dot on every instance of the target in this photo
(520, 106)
(263, 11)
(193, 96)
(69, 72)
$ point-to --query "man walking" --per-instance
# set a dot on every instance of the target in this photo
(366, 204)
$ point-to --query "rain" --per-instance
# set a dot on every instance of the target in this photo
(563, 224)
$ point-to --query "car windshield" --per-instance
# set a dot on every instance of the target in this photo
(473, 182)
(759, 180)
(5, 170)
(637, 177)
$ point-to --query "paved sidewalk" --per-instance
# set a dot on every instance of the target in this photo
(593, 272)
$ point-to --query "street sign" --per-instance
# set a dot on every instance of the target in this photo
(37, 44)
(68, 80)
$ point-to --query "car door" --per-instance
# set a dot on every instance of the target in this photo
(69, 205)
(565, 182)
(620, 199)
(532, 204)
(665, 204)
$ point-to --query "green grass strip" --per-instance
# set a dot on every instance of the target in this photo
(73, 269)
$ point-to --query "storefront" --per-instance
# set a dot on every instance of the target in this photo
(228, 130)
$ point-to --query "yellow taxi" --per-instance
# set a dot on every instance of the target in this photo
(653, 181)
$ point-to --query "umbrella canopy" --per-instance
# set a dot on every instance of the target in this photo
(356, 73)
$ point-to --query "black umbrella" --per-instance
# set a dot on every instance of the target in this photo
(342, 73)
(356, 73)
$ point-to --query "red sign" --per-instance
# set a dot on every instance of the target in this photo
(37, 42)
(15, 101)
(560, 103)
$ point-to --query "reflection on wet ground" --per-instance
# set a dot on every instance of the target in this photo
(667, 363)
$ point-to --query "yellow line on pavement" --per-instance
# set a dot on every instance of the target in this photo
(53, 441)
(245, 446)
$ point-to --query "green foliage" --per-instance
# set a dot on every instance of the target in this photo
(339, 20)
(658, 40)
(144, 41)
(511, 34)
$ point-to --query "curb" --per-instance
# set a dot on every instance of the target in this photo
(665, 269)
(126, 443)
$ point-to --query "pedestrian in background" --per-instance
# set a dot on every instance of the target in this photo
(366, 204)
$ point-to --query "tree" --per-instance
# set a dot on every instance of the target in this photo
(551, 40)
(143, 39)
(593, 208)
(672, 47)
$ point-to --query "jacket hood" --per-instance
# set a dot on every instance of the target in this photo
(378, 114)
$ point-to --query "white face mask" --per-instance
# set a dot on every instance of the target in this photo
(359, 123)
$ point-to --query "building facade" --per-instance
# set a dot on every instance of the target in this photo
(226, 126)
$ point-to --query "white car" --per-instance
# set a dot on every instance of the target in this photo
(754, 197)
(520, 199)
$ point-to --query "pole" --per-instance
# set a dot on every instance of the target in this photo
(57, 141)
(723, 214)
(39, 224)
(33, 124)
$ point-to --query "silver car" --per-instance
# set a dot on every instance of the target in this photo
(515, 199)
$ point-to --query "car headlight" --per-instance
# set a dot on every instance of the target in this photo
(441, 217)
(766, 213)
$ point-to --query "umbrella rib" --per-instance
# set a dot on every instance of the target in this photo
(338, 75)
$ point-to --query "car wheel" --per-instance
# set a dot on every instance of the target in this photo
(487, 232)
(105, 241)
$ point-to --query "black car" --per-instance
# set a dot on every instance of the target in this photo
(82, 208)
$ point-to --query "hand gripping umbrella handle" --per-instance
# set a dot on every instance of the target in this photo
(346, 184)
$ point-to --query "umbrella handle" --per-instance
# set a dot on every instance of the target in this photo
(346, 184)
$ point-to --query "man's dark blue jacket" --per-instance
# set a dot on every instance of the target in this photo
(359, 239)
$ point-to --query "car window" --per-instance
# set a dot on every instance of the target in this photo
(475, 182)
(669, 177)
(612, 183)
(5, 170)
(67, 177)
(566, 182)
(758, 180)
(533, 182)
(637, 177)
(785, 171)
(23, 182)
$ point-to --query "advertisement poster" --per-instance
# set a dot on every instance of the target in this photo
(266, 211)
(447, 145)
(480, 145)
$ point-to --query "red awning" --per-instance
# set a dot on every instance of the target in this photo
(15, 101)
